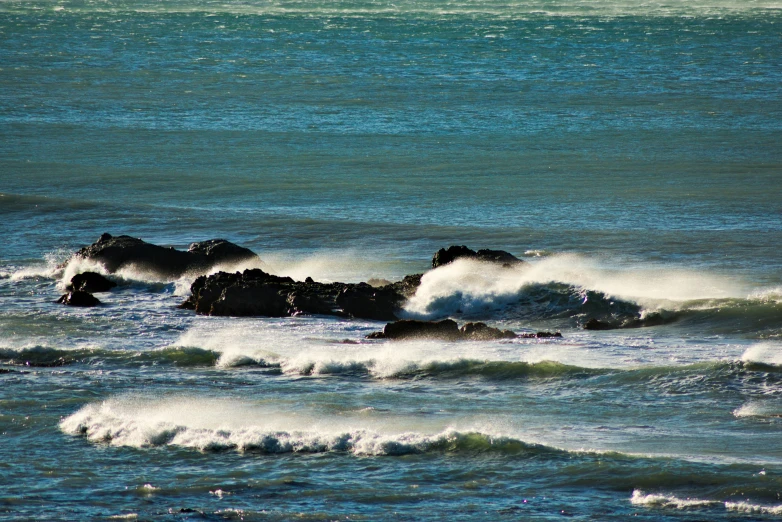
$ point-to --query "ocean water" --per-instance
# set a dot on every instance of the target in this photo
(630, 152)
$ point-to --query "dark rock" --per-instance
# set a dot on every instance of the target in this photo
(448, 330)
(256, 293)
(594, 324)
(78, 298)
(367, 302)
(221, 251)
(306, 300)
(498, 256)
(540, 335)
(410, 329)
(482, 332)
(250, 300)
(115, 253)
(452, 253)
(407, 286)
(90, 282)
(445, 256)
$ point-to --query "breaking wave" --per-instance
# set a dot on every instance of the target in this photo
(769, 354)
(576, 288)
(215, 425)
(653, 500)
(668, 501)
(46, 356)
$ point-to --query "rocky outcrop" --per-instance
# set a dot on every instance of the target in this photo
(115, 253)
(90, 282)
(448, 330)
(452, 253)
(257, 293)
(483, 332)
(78, 298)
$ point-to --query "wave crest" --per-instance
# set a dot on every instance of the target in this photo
(122, 423)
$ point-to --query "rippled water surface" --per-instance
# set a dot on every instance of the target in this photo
(628, 152)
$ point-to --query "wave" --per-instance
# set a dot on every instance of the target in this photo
(307, 364)
(759, 409)
(214, 425)
(413, 361)
(560, 281)
(576, 288)
(672, 502)
(668, 501)
(746, 507)
(46, 356)
(766, 354)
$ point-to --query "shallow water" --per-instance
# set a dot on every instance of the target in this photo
(629, 154)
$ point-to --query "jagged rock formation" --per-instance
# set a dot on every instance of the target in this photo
(78, 298)
(115, 253)
(454, 252)
(257, 293)
(90, 282)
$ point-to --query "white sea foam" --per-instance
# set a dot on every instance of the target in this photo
(767, 295)
(50, 267)
(668, 501)
(763, 409)
(330, 266)
(215, 424)
(472, 287)
(301, 347)
(764, 353)
(79, 265)
(673, 502)
(746, 507)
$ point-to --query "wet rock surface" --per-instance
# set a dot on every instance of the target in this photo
(78, 298)
(454, 252)
(257, 293)
(448, 330)
(117, 252)
(90, 282)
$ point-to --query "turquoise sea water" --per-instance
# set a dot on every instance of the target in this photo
(629, 152)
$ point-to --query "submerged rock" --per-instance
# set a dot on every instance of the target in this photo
(257, 293)
(79, 298)
(90, 282)
(115, 253)
(448, 330)
(454, 252)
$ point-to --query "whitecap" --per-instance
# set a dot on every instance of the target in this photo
(746, 507)
(764, 353)
(473, 287)
(668, 501)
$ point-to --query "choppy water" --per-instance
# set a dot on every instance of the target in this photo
(629, 152)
